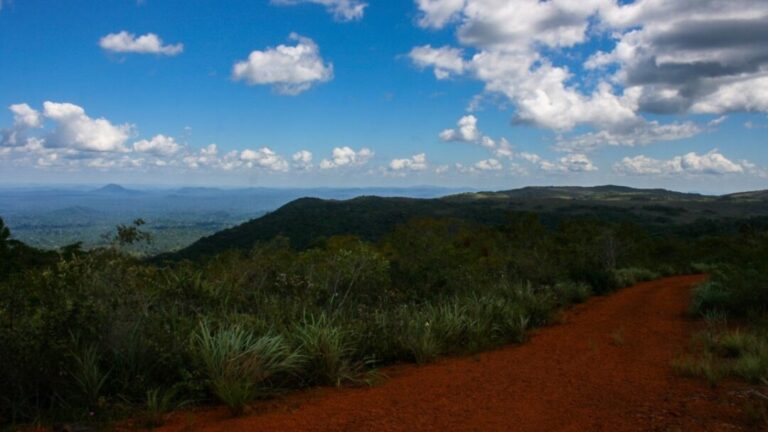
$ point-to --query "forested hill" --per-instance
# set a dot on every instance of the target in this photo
(307, 220)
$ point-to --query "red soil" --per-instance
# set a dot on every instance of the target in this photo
(605, 367)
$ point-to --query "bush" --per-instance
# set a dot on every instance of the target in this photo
(632, 275)
(239, 365)
(737, 291)
(89, 376)
(722, 353)
(709, 296)
(601, 281)
(420, 336)
(328, 352)
(572, 292)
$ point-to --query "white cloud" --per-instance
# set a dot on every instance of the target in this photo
(517, 24)
(342, 10)
(289, 69)
(160, 145)
(574, 163)
(446, 61)
(683, 56)
(717, 121)
(642, 134)
(711, 163)
(302, 159)
(417, 162)
(690, 55)
(78, 131)
(264, 158)
(26, 117)
(437, 13)
(467, 131)
(150, 43)
(346, 156)
(488, 165)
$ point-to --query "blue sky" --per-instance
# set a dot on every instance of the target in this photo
(547, 93)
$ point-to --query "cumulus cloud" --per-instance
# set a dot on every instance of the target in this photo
(342, 10)
(160, 145)
(264, 158)
(417, 162)
(573, 163)
(467, 131)
(79, 141)
(24, 119)
(302, 159)
(711, 163)
(347, 157)
(576, 162)
(691, 56)
(488, 165)
(642, 134)
(289, 69)
(437, 13)
(150, 43)
(445, 61)
(77, 130)
(687, 56)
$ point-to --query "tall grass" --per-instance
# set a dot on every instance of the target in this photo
(89, 376)
(239, 364)
(328, 351)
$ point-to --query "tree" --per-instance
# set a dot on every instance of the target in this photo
(5, 234)
(128, 235)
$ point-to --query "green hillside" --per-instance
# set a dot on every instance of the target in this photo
(306, 220)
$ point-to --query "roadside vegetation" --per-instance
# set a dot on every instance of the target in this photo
(90, 336)
(733, 305)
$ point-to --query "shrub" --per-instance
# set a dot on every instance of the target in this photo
(722, 353)
(736, 290)
(328, 352)
(159, 402)
(709, 296)
(601, 281)
(239, 365)
(419, 337)
(572, 292)
(88, 376)
(632, 275)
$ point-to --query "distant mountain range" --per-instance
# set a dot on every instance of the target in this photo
(370, 217)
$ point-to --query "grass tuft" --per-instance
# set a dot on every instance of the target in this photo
(239, 365)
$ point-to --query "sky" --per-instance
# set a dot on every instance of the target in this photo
(488, 94)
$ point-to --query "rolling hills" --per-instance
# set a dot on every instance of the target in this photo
(305, 220)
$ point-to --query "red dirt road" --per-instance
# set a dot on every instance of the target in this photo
(605, 367)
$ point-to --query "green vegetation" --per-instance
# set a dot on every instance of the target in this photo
(371, 218)
(239, 365)
(95, 335)
(734, 306)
